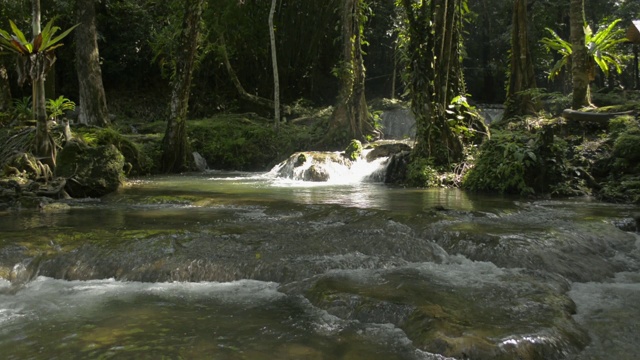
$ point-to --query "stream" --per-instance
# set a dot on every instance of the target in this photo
(227, 265)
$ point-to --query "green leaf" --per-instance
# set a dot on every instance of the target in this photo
(60, 37)
(18, 33)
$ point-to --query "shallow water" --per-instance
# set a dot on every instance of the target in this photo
(250, 266)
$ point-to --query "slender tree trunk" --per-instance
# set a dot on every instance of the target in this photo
(39, 63)
(92, 99)
(579, 61)
(350, 119)
(274, 62)
(636, 67)
(236, 82)
(521, 76)
(174, 156)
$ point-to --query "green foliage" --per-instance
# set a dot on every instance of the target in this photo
(422, 173)
(353, 150)
(517, 163)
(59, 106)
(601, 48)
(22, 108)
(234, 142)
(36, 56)
(623, 124)
(137, 158)
(45, 42)
(627, 146)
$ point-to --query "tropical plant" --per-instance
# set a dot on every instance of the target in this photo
(601, 49)
(22, 108)
(43, 43)
(35, 58)
(57, 107)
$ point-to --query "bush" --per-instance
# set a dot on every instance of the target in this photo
(627, 146)
(422, 173)
(234, 142)
(517, 163)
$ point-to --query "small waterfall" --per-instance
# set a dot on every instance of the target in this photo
(491, 112)
(331, 168)
(398, 124)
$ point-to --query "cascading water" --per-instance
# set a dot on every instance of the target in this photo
(331, 167)
(266, 266)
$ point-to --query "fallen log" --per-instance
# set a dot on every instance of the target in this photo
(570, 114)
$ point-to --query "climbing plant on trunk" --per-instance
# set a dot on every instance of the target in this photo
(174, 155)
(432, 47)
(350, 119)
(521, 75)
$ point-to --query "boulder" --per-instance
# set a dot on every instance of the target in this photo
(316, 173)
(387, 150)
(397, 169)
(199, 162)
(90, 171)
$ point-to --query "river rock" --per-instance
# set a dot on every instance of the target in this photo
(91, 171)
(316, 173)
(397, 168)
(199, 161)
(386, 150)
(311, 165)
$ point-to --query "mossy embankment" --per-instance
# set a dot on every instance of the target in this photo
(560, 157)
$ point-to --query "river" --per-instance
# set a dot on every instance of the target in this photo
(221, 265)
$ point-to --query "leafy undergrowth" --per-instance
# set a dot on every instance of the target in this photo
(553, 157)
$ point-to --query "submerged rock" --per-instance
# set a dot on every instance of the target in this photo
(462, 309)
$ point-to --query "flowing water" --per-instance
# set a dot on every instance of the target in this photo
(254, 266)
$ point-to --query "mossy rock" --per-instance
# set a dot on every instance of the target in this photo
(354, 150)
(92, 171)
(316, 173)
(387, 150)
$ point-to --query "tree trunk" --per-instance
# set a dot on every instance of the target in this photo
(434, 29)
(44, 146)
(274, 62)
(92, 99)
(5, 89)
(350, 119)
(174, 156)
(579, 61)
(236, 82)
(521, 76)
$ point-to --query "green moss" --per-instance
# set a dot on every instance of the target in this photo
(422, 173)
(623, 124)
(518, 163)
(139, 157)
(627, 146)
(95, 171)
(353, 150)
(241, 142)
